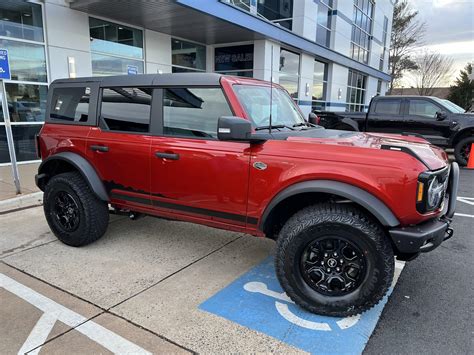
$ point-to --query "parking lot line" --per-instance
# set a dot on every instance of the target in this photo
(464, 215)
(54, 311)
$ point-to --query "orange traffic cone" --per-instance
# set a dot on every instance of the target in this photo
(470, 161)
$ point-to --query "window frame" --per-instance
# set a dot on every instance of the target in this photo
(159, 125)
(100, 121)
(425, 100)
(93, 104)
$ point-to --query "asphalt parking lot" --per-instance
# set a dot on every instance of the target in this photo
(156, 286)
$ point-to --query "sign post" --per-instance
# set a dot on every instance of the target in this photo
(5, 75)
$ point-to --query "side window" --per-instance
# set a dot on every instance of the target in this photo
(193, 112)
(423, 108)
(126, 109)
(70, 104)
(391, 107)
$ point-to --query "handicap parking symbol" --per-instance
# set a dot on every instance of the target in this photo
(257, 301)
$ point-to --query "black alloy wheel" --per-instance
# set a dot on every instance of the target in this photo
(333, 266)
(66, 211)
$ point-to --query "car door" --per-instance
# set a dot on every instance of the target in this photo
(120, 147)
(421, 117)
(193, 174)
(386, 116)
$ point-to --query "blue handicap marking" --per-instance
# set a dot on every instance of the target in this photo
(257, 301)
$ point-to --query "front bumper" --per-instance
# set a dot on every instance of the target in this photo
(424, 237)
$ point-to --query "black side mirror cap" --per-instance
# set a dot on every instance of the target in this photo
(313, 118)
(231, 128)
(440, 116)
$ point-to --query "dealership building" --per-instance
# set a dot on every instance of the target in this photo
(329, 54)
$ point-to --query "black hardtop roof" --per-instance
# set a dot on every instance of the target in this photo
(175, 79)
(404, 97)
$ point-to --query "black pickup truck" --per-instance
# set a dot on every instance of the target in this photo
(439, 121)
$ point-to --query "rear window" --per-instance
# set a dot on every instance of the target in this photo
(70, 104)
(391, 107)
(126, 109)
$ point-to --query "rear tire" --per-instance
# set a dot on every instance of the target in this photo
(333, 260)
(74, 213)
(462, 150)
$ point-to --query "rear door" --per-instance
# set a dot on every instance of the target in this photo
(421, 115)
(120, 146)
(193, 174)
(386, 116)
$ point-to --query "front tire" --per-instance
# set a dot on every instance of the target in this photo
(462, 150)
(333, 260)
(74, 213)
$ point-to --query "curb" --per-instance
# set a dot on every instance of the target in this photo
(20, 202)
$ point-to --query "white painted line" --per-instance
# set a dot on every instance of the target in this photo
(260, 287)
(464, 215)
(468, 200)
(108, 339)
(39, 334)
(284, 311)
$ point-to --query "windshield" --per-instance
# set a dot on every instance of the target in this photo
(452, 107)
(256, 102)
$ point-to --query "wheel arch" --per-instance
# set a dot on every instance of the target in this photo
(309, 192)
(68, 161)
(466, 132)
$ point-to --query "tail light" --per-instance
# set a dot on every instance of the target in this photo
(318, 120)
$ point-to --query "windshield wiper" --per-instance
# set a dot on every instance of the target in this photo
(303, 124)
(277, 126)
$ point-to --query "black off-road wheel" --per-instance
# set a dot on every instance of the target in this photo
(334, 260)
(74, 213)
(462, 150)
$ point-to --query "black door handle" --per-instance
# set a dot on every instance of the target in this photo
(99, 148)
(170, 156)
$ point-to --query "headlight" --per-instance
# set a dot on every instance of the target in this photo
(431, 190)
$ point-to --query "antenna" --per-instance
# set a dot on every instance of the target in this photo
(271, 93)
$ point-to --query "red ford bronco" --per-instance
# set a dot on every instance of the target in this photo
(237, 154)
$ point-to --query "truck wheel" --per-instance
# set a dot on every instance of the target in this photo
(75, 215)
(333, 260)
(462, 150)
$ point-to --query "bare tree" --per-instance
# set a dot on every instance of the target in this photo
(407, 36)
(432, 70)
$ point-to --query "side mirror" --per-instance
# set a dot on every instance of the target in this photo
(313, 118)
(440, 116)
(231, 128)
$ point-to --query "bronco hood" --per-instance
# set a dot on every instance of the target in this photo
(431, 156)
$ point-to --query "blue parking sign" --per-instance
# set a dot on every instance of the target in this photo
(4, 65)
(257, 301)
(132, 70)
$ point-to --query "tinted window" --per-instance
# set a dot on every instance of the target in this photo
(193, 112)
(126, 109)
(70, 104)
(423, 108)
(391, 107)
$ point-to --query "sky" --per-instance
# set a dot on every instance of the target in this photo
(449, 31)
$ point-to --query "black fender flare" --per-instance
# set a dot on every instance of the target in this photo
(350, 122)
(82, 166)
(363, 198)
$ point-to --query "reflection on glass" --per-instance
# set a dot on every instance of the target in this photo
(290, 83)
(107, 65)
(27, 61)
(111, 38)
(233, 58)
(24, 137)
(26, 102)
(188, 55)
(21, 19)
(4, 154)
(289, 62)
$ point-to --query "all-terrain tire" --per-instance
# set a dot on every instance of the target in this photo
(317, 222)
(89, 218)
(460, 152)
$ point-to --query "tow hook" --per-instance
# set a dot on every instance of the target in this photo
(449, 233)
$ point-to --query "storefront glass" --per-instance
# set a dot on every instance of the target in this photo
(21, 19)
(320, 74)
(236, 60)
(27, 60)
(289, 71)
(187, 56)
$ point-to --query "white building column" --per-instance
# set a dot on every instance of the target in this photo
(337, 87)
(157, 52)
(305, 13)
(305, 88)
(68, 39)
(262, 60)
